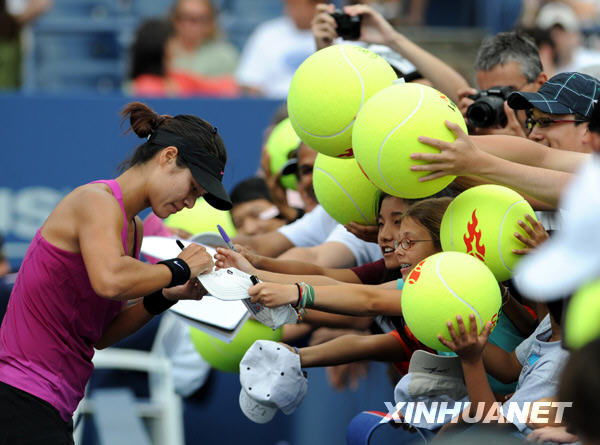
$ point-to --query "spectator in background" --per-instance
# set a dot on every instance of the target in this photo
(14, 15)
(546, 48)
(150, 76)
(197, 48)
(505, 59)
(564, 27)
(253, 211)
(276, 49)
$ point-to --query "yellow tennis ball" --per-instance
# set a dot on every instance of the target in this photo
(344, 191)
(201, 218)
(443, 286)
(227, 356)
(386, 131)
(581, 320)
(329, 89)
(481, 221)
(282, 140)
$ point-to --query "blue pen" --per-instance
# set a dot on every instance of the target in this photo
(226, 238)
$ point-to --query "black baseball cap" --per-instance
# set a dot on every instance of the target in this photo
(564, 93)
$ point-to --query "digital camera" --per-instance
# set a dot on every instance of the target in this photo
(488, 108)
(348, 27)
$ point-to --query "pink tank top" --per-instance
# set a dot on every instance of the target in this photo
(53, 320)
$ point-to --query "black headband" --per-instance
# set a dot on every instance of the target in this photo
(189, 152)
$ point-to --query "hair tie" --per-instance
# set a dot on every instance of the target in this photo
(214, 130)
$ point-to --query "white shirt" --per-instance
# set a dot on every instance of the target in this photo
(317, 227)
(272, 54)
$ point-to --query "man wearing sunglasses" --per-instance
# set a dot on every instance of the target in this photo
(559, 112)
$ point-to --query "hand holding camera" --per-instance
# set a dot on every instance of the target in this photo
(353, 23)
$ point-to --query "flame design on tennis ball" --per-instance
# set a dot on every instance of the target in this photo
(474, 249)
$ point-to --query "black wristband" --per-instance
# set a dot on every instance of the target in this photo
(180, 271)
(299, 294)
(156, 303)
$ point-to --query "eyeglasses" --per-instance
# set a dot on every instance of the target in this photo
(545, 122)
(406, 243)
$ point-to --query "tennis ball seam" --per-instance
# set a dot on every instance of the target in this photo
(422, 96)
(345, 192)
(437, 269)
(362, 101)
(500, 234)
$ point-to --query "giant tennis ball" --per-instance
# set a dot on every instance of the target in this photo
(386, 131)
(344, 191)
(329, 89)
(282, 140)
(201, 218)
(443, 286)
(227, 356)
(581, 320)
(481, 221)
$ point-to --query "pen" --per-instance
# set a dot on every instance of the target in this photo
(180, 244)
(226, 238)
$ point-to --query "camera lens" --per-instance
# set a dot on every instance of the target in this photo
(487, 111)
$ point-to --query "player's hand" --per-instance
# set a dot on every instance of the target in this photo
(192, 290)
(374, 27)
(365, 233)
(273, 294)
(467, 345)
(536, 235)
(323, 25)
(459, 157)
(225, 258)
(198, 259)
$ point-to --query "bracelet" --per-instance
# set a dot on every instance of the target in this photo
(156, 303)
(180, 271)
(299, 295)
(308, 295)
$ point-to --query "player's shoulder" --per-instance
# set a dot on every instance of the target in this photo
(97, 198)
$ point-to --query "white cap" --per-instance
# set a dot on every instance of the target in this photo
(557, 13)
(435, 374)
(271, 379)
(571, 257)
(227, 284)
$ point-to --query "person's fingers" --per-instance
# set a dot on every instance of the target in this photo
(255, 290)
(521, 251)
(534, 222)
(473, 325)
(433, 176)
(524, 240)
(445, 342)
(325, 7)
(527, 228)
(456, 129)
(452, 331)
(437, 143)
(487, 329)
